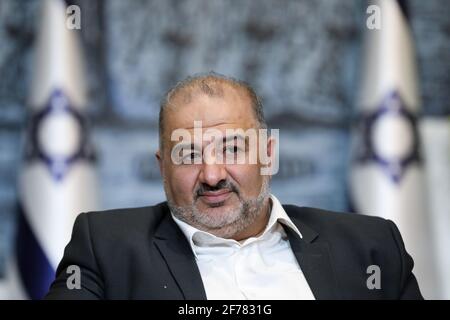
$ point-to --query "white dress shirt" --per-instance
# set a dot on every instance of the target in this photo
(262, 267)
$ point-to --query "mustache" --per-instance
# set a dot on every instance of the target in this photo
(223, 184)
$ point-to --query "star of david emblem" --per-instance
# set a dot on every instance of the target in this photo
(48, 141)
(389, 137)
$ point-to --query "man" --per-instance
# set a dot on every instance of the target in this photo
(221, 234)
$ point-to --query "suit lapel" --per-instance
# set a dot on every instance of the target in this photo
(180, 259)
(313, 256)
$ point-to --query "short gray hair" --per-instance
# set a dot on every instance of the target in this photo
(206, 82)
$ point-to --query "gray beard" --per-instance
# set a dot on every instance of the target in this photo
(227, 223)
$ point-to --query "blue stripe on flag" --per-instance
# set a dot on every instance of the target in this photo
(34, 267)
(404, 7)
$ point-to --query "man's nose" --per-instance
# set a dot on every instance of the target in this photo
(212, 174)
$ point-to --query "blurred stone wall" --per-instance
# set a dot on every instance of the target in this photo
(302, 57)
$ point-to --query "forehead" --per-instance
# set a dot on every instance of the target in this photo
(227, 107)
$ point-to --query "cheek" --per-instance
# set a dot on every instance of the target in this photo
(182, 182)
(247, 177)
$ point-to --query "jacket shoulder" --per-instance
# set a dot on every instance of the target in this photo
(309, 214)
(125, 221)
(328, 222)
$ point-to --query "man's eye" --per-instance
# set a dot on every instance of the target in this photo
(232, 149)
(189, 156)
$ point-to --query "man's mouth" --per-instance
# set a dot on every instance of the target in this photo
(214, 197)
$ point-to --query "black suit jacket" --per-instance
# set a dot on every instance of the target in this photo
(141, 253)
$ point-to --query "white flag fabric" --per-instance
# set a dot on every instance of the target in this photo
(435, 134)
(387, 177)
(57, 178)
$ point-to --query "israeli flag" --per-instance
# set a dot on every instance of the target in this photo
(57, 179)
(387, 176)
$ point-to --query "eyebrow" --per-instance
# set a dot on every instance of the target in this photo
(193, 146)
(186, 145)
(234, 137)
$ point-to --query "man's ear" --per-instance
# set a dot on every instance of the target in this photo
(272, 150)
(271, 143)
(160, 162)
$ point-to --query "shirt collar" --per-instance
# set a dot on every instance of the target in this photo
(277, 215)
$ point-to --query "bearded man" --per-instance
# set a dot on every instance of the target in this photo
(221, 234)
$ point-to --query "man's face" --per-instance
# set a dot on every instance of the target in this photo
(217, 197)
